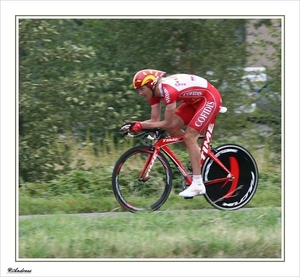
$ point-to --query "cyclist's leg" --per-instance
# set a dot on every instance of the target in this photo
(206, 110)
(197, 187)
(176, 128)
(191, 140)
(183, 115)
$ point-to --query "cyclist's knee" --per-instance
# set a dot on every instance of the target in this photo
(190, 135)
(175, 129)
(177, 123)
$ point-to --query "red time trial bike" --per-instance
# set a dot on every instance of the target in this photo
(142, 176)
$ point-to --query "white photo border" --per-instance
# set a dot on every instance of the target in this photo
(10, 10)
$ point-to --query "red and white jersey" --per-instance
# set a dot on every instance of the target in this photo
(182, 88)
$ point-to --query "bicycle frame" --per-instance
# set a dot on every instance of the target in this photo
(162, 144)
(229, 171)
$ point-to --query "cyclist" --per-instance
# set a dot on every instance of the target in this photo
(201, 102)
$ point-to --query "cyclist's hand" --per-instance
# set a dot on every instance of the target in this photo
(133, 126)
(136, 127)
(126, 127)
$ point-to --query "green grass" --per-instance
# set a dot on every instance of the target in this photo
(182, 229)
(181, 234)
(267, 195)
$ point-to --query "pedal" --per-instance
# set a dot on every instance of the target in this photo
(189, 197)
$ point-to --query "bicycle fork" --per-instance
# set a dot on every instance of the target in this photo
(144, 175)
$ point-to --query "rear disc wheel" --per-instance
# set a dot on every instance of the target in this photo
(236, 193)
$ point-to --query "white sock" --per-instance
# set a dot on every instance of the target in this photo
(197, 179)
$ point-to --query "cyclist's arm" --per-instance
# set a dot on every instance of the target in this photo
(155, 115)
(155, 112)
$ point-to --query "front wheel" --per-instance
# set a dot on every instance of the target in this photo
(133, 191)
(235, 193)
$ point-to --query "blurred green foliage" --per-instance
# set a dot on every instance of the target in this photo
(75, 79)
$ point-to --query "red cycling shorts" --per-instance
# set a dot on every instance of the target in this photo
(200, 114)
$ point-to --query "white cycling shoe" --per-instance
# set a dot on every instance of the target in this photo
(193, 190)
